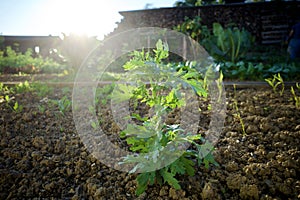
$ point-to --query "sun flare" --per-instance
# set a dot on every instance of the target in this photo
(81, 17)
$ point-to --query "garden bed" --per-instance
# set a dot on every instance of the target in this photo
(42, 156)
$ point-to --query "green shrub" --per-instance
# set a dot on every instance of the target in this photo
(14, 62)
(194, 29)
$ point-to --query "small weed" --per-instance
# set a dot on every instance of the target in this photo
(1, 86)
(66, 90)
(94, 125)
(92, 110)
(23, 87)
(42, 89)
(103, 94)
(41, 108)
(275, 82)
(238, 114)
(15, 107)
(295, 97)
(4, 89)
(64, 104)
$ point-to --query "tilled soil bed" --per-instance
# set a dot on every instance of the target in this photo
(42, 156)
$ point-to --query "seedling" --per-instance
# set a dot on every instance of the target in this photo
(4, 89)
(238, 113)
(92, 110)
(42, 89)
(94, 125)
(295, 97)
(103, 94)
(220, 86)
(41, 108)
(64, 104)
(1, 86)
(23, 87)
(275, 82)
(16, 107)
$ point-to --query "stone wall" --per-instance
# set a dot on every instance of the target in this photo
(269, 22)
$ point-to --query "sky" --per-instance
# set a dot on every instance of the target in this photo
(53, 17)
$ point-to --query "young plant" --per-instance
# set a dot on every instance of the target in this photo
(23, 87)
(275, 82)
(160, 87)
(63, 104)
(41, 108)
(103, 94)
(41, 89)
(15, 107)
(238, 113)
(295, 97)
(4, 89)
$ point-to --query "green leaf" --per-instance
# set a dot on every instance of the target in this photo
(137, 144)
(122, 93)
(209, 159)
(161, 51)
(177, 167)
(16, 106)
(169, 178)
(7, 99)
(152, 176)
(197, 87)
(138, 117)
(188, 165)
(142, 180)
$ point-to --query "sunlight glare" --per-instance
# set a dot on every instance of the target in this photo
(87, 17)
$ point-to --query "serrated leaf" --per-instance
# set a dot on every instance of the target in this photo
(197, 87)
(177, 167)
(152, 176)
(122, 93)
(143, 180)
(209, 159)
(138, 117)
(139, 131)
(169, 178)
(189, 166)
(194, 137)
(137, 144)
(140, 189)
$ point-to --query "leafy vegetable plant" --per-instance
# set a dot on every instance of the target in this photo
(160, 86)
(229, 44)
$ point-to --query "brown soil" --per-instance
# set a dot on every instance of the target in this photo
(41, 155)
